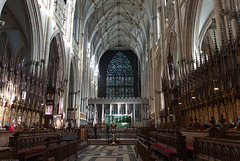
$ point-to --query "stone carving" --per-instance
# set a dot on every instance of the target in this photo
(60, 12)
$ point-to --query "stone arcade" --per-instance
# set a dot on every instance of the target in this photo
(162, 74)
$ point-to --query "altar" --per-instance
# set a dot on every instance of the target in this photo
(122, 120)
(125, 112)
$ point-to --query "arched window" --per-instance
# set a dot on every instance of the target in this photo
(120, 77)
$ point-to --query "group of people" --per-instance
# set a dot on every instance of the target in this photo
(107, 131)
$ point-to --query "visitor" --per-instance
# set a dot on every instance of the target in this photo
(107, 131)
(95, 131)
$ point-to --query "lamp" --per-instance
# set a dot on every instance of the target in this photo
(179, 101)
(215, 85)
(42, 103)
(193, 95)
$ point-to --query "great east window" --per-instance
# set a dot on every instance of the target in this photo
(120, 77)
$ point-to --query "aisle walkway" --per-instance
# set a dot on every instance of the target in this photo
(109, 153)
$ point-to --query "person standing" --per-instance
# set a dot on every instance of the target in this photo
(95, 131)
(107, 131)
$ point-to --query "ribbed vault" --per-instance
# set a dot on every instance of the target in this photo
(117, 23)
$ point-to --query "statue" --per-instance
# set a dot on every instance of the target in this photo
(213, 131)
(196, 125)
(223, 128)
(191, 122)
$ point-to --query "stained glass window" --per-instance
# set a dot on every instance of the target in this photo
(120, 77)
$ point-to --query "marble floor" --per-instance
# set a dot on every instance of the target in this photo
(109, 153)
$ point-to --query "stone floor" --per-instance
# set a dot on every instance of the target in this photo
(109, 153)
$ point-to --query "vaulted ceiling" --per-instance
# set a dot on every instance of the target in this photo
(117, 23)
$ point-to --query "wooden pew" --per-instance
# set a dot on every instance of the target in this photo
(82, 137)
(219, 145)
(212, 149)
(66, 150)
(44, 145)
(29, 144)
(143, 148)
(171, 145)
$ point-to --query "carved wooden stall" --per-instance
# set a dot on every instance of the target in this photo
(22, 92)
(207, 86)
(154, 143)
(170, 144)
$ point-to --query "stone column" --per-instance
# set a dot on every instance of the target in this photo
(146, 112)
(81, 105)
(80, 55)
(231, 12)
(118, 108)
(89, 113)
(141, 112)
(234, 23)
(134, 112)
(178, 28)
(218, 10)
(94, 113)
(126, 108)
(110, 109)
(1, 7)
(73, 100)
(103, 113)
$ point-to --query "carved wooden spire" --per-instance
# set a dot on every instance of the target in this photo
(238, 18)
(222, 38)
(209, 48)
(230, 31)
(215, 42)
(5, 54)
(200, 56)
(12, 61)
(204, 53)
(196, 60)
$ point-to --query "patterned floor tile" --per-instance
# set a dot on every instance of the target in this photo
(108, 153)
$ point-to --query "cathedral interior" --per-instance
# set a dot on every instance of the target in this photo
(114, 80)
